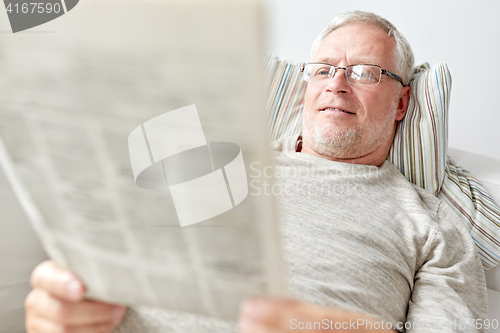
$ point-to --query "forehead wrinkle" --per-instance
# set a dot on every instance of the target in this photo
(352, 48)
(357, 61)
(353, 54)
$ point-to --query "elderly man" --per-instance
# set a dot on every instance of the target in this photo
(371, 251)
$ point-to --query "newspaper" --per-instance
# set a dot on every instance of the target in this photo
(72, 94)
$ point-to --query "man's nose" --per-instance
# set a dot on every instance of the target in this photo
(338, 83)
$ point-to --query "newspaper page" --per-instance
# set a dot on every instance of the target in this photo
(108, 117)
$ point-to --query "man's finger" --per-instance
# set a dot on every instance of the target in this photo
(57, 281)
(73, 314)
(40, 324)
(248, 325)
(270, 313)
(289, 315)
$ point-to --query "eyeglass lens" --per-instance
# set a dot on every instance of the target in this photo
(355, 74)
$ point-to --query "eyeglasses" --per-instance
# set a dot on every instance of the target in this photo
(319, 72)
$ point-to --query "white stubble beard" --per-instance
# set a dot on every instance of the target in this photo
(344, 143)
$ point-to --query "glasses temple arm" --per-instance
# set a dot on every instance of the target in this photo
(394, 76)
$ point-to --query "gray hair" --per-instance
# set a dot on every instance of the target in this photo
(403, 55)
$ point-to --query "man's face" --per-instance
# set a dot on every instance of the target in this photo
(345, 121)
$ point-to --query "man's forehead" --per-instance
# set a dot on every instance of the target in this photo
(356, 43)
(358, 59)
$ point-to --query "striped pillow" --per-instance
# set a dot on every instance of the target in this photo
(285, 96)
(419, 149)
(421, 140)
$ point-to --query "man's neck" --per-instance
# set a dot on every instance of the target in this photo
(376, 157)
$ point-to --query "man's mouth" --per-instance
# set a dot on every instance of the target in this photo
(336, 110)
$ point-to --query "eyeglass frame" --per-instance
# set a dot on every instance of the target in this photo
(382, 71)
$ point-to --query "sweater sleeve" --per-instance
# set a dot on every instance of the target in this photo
(449, 293)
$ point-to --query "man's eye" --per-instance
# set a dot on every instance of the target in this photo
(370, 75)
(323, 71)
(357, 75)
(365, 74)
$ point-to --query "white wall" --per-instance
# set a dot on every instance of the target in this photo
(464, 34)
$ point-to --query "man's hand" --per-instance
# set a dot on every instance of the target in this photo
(280, 316)
(57, 305)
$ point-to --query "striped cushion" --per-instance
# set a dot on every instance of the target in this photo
(419, 149)
(473, 203)
(285, 96)
(421, 140)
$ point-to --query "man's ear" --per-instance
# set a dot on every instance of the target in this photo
(404, 99)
